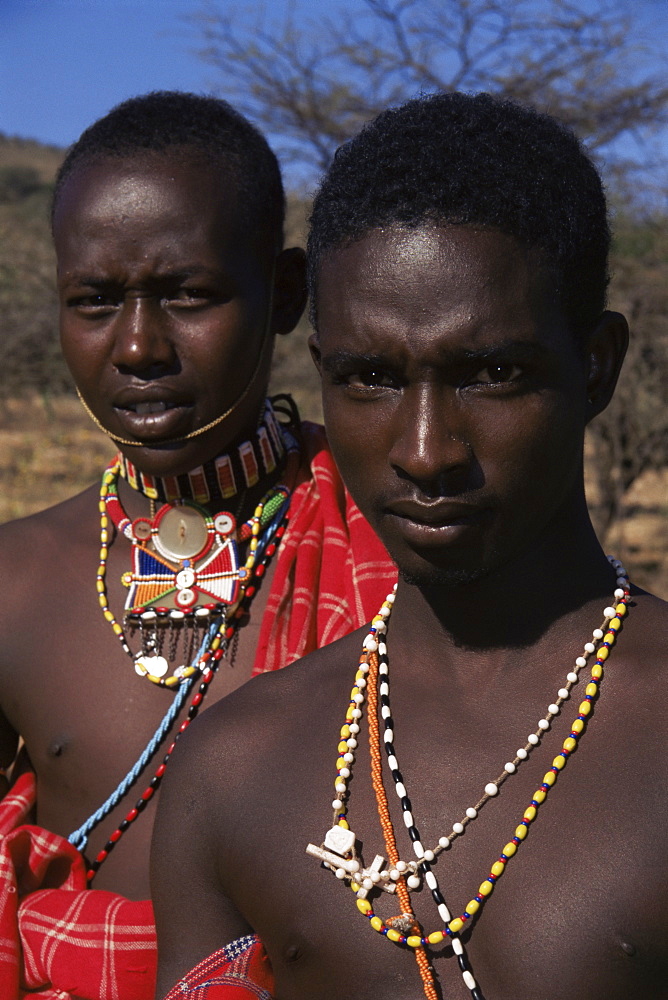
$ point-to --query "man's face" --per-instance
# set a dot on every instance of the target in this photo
(165, 304)
(454, 397)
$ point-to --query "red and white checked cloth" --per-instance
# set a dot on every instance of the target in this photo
(239, 971)
(59, 940)
(332, 574)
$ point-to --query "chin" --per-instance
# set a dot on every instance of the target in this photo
(456, 570)
(439, 576)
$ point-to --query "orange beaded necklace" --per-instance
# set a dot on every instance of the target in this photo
(338, 851)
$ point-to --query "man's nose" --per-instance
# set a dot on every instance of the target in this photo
(142, 341)
(431, 445)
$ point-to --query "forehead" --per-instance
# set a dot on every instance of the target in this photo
(397, 281)
(168, 185)
(162, 205)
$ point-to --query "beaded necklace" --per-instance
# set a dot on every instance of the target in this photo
(218, 620)
(224, 476)
(185, 562)
(208, 661)
(338, 851)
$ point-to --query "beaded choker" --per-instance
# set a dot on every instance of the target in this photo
(222, 478)
(338, 852)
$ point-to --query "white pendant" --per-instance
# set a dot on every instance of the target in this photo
(340, 840)
(155, 665)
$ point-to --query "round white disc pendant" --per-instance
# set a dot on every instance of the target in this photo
(182, 533)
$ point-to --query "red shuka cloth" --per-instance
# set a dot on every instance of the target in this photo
(60, 940)
(332, 573)
(239, 971)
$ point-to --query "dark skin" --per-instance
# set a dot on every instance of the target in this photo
(446, 347)
(166, 297)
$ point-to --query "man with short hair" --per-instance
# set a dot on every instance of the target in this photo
(219, 544)
(464, 798)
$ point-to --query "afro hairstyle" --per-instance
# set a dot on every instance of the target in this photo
(473, 159)
(165, 121)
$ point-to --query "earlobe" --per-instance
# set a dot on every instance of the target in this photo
(289, 289)
(606, 348)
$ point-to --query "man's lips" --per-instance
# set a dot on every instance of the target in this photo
(437, 514)
(151, 416)
(159, 406)
(152, 398)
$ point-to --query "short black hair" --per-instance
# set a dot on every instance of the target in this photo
(473, 159)
(167, 120)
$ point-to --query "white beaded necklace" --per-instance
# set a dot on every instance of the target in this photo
(338, 851)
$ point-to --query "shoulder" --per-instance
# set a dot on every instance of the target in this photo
(636, 677)
(30, 545)
(645, 627)
(268, 716)
(62, 517)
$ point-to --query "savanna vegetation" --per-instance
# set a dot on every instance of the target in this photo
(311, 86)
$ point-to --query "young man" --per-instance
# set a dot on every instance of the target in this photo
(458, 270)
(219, 544)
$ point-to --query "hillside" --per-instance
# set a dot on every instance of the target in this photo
(16, 152)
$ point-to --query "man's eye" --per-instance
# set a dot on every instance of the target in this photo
(191, 296)
(494, 374)
(93, 303)
(371, 379)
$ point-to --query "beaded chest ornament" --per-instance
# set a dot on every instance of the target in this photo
(185, 562)
(338, 852)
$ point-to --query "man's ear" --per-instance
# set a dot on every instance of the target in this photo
(606, 348)
(289, 289)
(314, 348)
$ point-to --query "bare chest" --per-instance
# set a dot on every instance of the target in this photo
(93, 728)
(578, 911)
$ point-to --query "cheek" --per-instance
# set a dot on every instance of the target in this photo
(536, 448)
(360, 438)
(84, 351)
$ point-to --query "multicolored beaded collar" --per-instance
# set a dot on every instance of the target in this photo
(338, 851)
(223, 477)
(213, 625)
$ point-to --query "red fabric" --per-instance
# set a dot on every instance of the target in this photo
(226, 976)
(60, 940)
(332, 573)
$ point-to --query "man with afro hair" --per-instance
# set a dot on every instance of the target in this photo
(464, 798)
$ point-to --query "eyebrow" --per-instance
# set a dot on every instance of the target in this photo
(517, 350)
(336, 360)
(177, 274)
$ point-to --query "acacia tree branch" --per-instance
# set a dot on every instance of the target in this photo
(313, 84)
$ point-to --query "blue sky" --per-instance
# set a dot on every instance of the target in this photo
(64, 63)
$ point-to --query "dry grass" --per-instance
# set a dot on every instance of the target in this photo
(49, 452)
